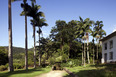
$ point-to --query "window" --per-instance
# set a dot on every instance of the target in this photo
(111, 55)
(105, 46)
(111, 44)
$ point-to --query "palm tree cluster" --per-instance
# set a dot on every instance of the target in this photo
(38, 20)
(85, 28)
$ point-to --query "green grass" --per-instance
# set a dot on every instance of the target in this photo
(103, 70)
(24, 73)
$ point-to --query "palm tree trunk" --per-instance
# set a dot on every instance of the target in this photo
(88, 52)
(39, 52)
(26, 49)
(82, 53)
(93, 54)
(93, 51)
(34, 46)
(97, 50)
(10, 53)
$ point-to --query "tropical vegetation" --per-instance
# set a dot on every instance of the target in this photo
(69, 43)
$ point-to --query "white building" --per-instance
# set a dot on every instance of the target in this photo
(109, 48)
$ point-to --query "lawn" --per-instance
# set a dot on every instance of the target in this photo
(102, 70)
(23, 73)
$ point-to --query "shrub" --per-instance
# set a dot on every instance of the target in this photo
(6, 65)
(72, 63)
(18, 66)
(51, 60)
(2, 68)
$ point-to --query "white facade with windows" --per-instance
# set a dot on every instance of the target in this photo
(109, 48)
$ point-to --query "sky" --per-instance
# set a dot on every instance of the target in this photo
(102, 10)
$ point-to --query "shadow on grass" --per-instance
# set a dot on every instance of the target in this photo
(103, 70)
(8, 74)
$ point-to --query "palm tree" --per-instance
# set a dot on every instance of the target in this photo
(32, 13)
(10, 53)
(40, 24)
(83, 27)
(93, 34)
(34, 29)
(25, 6)
(100, 32)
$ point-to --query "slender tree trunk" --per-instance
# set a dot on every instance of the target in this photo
(34, 46)
(93, 52)
(10, 53)
(26, 48)
(82, 53)
(97, 50)
(69, 51)
(88, 52)
(39, 52)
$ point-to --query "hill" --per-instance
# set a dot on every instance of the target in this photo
(18, 49)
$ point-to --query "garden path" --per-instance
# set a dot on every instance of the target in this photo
(56, 73)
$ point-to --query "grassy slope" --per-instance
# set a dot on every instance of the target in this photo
(24, 73)
(106, 70)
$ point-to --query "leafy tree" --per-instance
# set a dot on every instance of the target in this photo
(71, 34)
(3, 56)
(58, 32)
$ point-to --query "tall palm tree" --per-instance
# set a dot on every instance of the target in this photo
(93, 34)
(100, 32)
(83, 27)
(25, 6)
(34, 29)
(10, 53)
(40, 24)
(32, 11)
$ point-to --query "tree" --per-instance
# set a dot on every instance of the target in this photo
(10, 53)
(70, 33)
(25, 12)
(93, 34)
(40, 24)
(24, 6)
(83, 27)
(59, 33)
(100, 33)
(32, 13)
(3, 56)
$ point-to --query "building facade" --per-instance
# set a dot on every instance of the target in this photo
(109, 48)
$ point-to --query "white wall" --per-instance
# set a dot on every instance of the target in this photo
(109, 50)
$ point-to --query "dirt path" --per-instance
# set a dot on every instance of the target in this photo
(53, 74)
